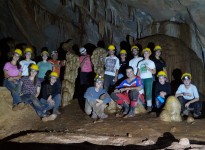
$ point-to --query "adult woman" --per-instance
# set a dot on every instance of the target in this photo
(51, 95)
(44, 66)
(25, 63)
(12, 75)
(31, 87)
(123, 64)
(146, 68)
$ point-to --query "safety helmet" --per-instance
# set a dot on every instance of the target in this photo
(54, 74)
(44, 52)
(54, 52)
(82, 50)
(134, 47)
(99, 78)
(18, 51)
(157, 47)
(123, 51)
(161, 73)
(28, 49)
(34, 67)
(186, 76)
(146, 50)
(111, 47)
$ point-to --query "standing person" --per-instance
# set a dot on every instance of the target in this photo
(146, 68)
(12, 76)
(112, 66)
(56, 64)
(136, 59)
(188, 96)
(127, 93)
(157, 59)
(25, 63)
(31, 87)
(51, 95)
(162, 90)
(44, 66)
(96, 99)
(123, 64)
(85, 67)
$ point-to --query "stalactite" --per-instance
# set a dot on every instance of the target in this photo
(91, 4)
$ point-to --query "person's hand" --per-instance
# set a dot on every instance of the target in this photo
(116, 91)
(163, 94)
(187, 94)
(115, 79)
(187, 104)
(99, 101)
(51, 102)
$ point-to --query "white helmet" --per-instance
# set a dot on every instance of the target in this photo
(82, 50)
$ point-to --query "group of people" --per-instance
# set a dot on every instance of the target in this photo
(34, 84)
(138, 81)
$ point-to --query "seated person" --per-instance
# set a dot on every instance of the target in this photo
(188, 96)
(51, 95)
(162, 90)
(127, 93)
(94, 105)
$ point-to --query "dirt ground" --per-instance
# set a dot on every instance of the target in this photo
(73, 129)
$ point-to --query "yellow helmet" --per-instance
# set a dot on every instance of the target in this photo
(99, 78)
(134, 47)
(28, 49)
(111, 47)
(186, 76)
(123, 51)
(18, 51)
(44, 52)
(34, 67)
(161, 73)
(54, 74)
(157, 47)
(146, 50)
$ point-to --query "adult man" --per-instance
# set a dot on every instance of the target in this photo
(134, 62)
(112, 66)
(188, 96)
(96, 99)
(127, 93)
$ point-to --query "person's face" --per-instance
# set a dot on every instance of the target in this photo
(187, 82)
(123, 55)
(158, 53)
(135, 52)
(53, 80)
(55, 56)
(85, 53)
(162, 79)
(146, 54)
(28, 55)
(44, 56)
(111, 52)
(16, 57)
(130, 73)
(98, 85)
(33, 73)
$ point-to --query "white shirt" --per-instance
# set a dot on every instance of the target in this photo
(24, 65)
(111, 65)
(144, 73)
(192, 90)
(134, 63)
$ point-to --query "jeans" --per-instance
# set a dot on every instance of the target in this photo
(108, 82)
(15, 89)
(48, 106)
(196, 107)
(35, 103)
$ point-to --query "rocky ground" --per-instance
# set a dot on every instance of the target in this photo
(74, 130)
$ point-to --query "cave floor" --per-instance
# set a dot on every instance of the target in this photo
(74, 126)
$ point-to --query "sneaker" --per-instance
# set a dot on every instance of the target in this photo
(49, 118)
(20, 106)
(185, 113)
(149, 109)
(94, 116)
(103, 116)
(15, 108)
(195, 115)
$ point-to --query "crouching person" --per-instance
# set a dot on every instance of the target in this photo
(188, 96)
(127, 93)
(162, 90)
(51, 95)
(96, 99)
(31, 89)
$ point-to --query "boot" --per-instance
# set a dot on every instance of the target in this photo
(125, 108)
(131, 112)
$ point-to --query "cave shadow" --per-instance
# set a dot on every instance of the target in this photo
(175, 83)
(162, 142)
